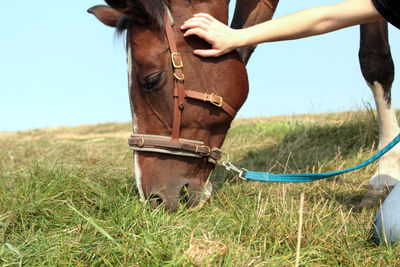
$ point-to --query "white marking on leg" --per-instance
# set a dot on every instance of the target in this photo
(388, 171)
(138, 172)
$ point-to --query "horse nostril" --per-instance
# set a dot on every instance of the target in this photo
(155, 200)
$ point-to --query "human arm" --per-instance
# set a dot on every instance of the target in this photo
(309, 22)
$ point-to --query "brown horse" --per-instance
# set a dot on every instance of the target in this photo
(154, 82)
(378, 71)
(151, 85)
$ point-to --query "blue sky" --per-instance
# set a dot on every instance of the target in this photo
(60, 66)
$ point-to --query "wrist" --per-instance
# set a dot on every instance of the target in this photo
(239, 38)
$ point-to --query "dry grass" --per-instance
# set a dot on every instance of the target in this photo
(67, 197)
(202, 251)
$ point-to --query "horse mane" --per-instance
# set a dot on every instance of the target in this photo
(123, 24)
(146, 12)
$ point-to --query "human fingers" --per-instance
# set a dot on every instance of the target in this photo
(198, 32)
(207, 52)
(195, 23)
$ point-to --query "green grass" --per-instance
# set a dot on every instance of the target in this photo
(68, 197)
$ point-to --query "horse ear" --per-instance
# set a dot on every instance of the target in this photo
(106, 14)
(249, 13)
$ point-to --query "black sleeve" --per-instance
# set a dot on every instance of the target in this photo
(390, 10)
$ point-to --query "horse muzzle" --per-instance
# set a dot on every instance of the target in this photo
(186, 192)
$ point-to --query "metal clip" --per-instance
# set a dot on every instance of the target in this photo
(230, 167)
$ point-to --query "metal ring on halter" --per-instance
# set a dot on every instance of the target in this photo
(179, 78)
(208, 153)
(141, 142)
(203, 154)
(220, 161)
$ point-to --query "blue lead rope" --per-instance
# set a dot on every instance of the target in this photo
(310, 177)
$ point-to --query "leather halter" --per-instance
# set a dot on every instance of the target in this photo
(175, 145)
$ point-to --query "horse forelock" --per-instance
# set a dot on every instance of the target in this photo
(146, 12)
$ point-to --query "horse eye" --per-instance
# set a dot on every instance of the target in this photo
(152, 81)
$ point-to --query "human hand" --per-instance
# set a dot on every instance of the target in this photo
(220, 36)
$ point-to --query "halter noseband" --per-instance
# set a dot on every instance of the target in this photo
(175, 145)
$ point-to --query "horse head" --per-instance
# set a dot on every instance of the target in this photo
(174, 128)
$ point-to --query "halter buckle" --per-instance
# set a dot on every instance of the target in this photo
(179, 63)
(216, 103)
(203, 154)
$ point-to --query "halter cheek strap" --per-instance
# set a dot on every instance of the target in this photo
(175, 145)
(179, 78)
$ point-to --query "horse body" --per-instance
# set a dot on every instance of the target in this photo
(151, 84)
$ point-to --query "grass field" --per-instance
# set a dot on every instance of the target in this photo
(68, 197)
